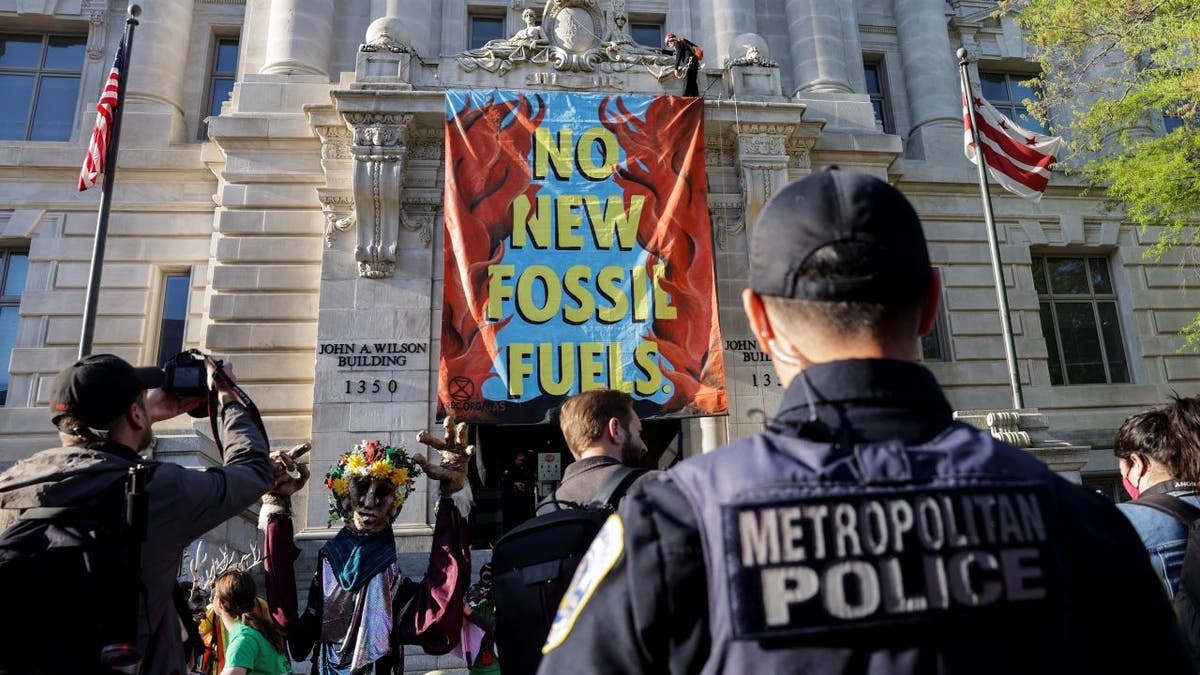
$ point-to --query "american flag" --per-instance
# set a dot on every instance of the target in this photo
(1017, 158)
(97, 155)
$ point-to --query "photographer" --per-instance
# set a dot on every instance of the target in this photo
(104, 408)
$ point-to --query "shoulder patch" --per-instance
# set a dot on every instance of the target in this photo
(600, 558)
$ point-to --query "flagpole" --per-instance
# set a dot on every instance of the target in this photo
(1010, 350)
(110, 165)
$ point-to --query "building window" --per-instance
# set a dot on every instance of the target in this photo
(935, 345)
(1007, 93)
(13, 268)
(877, 89)
(220, 79)
(646, 33)
(485, 27)
(39, 84)
(1080, 322)
(173, 321)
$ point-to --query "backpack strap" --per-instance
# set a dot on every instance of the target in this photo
(614, 488)
(1175, 507)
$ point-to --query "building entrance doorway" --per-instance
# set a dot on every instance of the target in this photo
(515, 466)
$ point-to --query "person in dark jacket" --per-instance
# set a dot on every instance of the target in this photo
(864, 531)
(603, 433)
(687, 65)
(104, 408)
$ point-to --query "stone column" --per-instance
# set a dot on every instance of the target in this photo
(934, 101)
(155, 90)
(731, 19)
(818, 50)
(417, 16)
(299, 38)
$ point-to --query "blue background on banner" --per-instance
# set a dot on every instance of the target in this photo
(578, 112)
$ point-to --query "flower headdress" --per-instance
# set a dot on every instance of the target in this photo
(370, 460)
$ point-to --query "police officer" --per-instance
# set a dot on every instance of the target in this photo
(864, 531)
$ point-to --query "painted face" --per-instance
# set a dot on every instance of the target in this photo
(372, 502)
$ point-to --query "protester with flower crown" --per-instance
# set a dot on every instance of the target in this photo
(361, 607)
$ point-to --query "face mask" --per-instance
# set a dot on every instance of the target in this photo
(1130, 488)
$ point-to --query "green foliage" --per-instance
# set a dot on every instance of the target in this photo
(1109, 68)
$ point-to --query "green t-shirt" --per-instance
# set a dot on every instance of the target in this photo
(250, 650)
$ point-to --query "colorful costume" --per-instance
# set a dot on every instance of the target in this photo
(361, 607)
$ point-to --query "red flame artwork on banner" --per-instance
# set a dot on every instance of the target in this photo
(486, 147)
(674, 184)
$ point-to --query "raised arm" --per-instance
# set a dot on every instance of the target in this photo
(433, 619)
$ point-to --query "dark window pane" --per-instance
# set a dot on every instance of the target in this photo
(1114, 348)
(931, 345)
(1039, 275)
(1048, 332)
(8, 338)
(1171, 122)
(649, 34)
(1101, 283)
(20, 51)
(227, 55)
(65, 52)
(1080, 342)
(55, 114)
(1029, 122)
(1067, 275)
(872, 73)
(993, 87)
(221, 89)
(485, 28)
(1020, 92)
(14, 278)
(878, 106)
(174, 316)
(17, 92)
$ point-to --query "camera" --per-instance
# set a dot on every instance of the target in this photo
(185, 374)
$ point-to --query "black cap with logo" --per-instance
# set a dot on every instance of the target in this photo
(833, 206)
(99, 388)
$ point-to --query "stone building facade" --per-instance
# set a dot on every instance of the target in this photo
(303, 212)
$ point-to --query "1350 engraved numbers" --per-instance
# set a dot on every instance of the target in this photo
(371, 386)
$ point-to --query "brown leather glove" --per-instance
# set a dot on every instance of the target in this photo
(454, 453)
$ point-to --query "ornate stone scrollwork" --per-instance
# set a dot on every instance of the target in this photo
(750, 49)
(799, 151)
(1006, 426)
(96, 12)
(420, 216)
(339, 214)
(728, 219)
(379, 152)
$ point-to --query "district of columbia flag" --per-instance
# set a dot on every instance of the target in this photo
(1017, 158)
(96, 160)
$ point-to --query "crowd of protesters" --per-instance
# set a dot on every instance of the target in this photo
(747, 559)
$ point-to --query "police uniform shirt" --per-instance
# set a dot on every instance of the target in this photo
(646, 606)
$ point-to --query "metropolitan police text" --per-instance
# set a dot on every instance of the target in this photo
(894, 555)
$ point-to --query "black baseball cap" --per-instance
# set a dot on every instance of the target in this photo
(98, 389)
(833, 206)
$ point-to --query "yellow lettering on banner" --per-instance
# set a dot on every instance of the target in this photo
(498, 291)
(568, 222)
(548, 150)
(607, 281)
(566, 368)
(662, 299)
(609, 149)
(641, 299)
(573, 281)
(526, 305)
(590, 366)
(616, 368)
(536, 224)
(614, 219)
(519, 367)
(644, 356)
